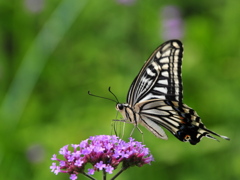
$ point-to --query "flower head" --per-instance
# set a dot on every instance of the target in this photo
(104, 153)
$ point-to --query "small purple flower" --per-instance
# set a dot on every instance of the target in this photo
(91, 171)
(75, 146)
(172, 23)
(100, 165)
(126, 2)
(73, 176)
(109, 169)
(54, 158)
(62, 163)
(78, 163)
(104, 153)
(53, 167)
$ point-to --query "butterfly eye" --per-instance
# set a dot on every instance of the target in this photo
(119, 107)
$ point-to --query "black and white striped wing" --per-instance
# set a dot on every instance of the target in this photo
(160, 77)
(182, 121)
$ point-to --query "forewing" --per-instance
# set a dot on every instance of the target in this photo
(160, 77)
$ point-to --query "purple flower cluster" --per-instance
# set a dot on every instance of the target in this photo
(104, 153)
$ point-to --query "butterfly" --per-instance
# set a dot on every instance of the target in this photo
(155, 98)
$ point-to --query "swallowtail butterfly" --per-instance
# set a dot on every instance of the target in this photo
(155, 98)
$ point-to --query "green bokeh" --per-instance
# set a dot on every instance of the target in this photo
(58, 52)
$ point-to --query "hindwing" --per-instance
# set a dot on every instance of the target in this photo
(181, 120)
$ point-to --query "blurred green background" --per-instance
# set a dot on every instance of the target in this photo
(53, 52)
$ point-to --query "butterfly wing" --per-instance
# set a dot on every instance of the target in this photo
(160, 77)
(182, 121)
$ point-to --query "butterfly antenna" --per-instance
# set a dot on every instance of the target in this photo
(89, 93)
(109, 89)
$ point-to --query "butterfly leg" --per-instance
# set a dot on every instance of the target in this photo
(136, 126)
(115, 129)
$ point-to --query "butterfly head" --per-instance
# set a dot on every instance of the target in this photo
(122, 108)
(126, 111)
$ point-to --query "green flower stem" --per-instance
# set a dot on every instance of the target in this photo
(88, 176)
(104, 175)
(123, 169)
